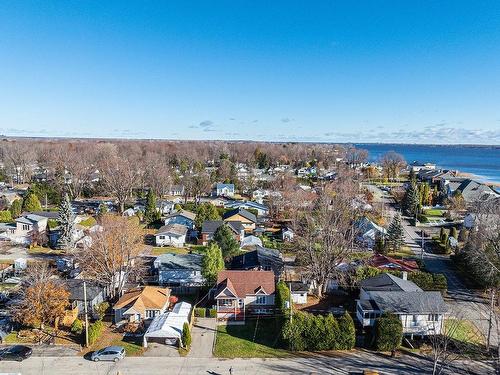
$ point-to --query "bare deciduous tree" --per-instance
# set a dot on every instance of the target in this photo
(392, 163)
(113, 256)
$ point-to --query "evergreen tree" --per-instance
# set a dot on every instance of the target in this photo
(186, 336)
(380, 245)
(31, 203)
(224, 237)
(151, 214)
(411, 199)
(66, 224)
(395, 233)
(212, 263)
(103, 210)
(205, 211)
(16, 208)
(454, 233)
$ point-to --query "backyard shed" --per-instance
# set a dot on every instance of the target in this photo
(167, 328)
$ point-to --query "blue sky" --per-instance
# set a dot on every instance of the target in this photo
(366, 71)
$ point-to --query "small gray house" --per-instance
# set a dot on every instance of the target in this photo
(96, 294)
(180, 270)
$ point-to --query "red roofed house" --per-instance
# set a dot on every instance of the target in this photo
(239, 294)
(384, 262)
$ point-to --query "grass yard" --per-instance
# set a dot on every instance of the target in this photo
(133, 345)
(403, 252)
(434, 212)
(464, 331)
(12, 338)
(39, 250)
(255, 339)
(169, 250)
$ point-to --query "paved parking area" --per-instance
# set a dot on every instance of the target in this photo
(203, 335)
(161, 350)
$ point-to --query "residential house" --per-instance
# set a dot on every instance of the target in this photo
(417, 166)
(182, 217)
(471, 191)
(421, 312)
(165, 207)
(367, 232)
(96, 294)
(176, 190)
(224, 190)
(246, 218)
(259, 208)
(239, 294)
(209, 228)
(259, 195)
(179, 270)
(262, 259)
(171, 235)
(141, 304)
(25, 229)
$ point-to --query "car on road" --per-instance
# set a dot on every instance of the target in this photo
(15, 353)
(110, 353)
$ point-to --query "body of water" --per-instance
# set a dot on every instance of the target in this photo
(482, 161)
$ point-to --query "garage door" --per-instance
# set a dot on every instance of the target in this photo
(163, 340)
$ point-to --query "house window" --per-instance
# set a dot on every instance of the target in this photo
(240, 303)
(150, 314)
(260, 300)
(433, 317)
(225, 302)
(162, 237)
(414, 320)
(26, 227)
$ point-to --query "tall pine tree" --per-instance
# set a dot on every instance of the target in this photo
(66, 224)
(212, 263)
(395, 234)
(31, 203)
(151, 214)
(411, 199)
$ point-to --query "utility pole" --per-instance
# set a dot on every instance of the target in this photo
(86, 315)
(423, 243)
(290, 303)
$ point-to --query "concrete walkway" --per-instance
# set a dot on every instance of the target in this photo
(203, 336)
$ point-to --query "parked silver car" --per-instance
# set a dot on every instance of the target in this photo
(110, 353)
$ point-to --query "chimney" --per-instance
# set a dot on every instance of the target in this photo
(405, 275)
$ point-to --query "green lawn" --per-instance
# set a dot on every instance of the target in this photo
(245, 341)
(133, 346)
(464, 331)
(434, 212)
(12, 338)
(199, 249)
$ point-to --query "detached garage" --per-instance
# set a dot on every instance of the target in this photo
(167, 328)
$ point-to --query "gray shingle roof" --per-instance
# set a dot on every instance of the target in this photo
(179, 261)
(387, 282)
(176, 229)
(242, 212)
(210, 226)
(410, 302)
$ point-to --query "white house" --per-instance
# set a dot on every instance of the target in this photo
(167, 327)
(171, 235)
(367, 232)
(298, 292)
(23, 230)
(224, 190)
(421, 312)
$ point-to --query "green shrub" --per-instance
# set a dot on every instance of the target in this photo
(347, 333)
(282, 298)
(52, 223)
(422, 279)
(292, 332)
(212, 313)
(200, 312)
(77, 327)
(101, 308)
(454, 233)
(95, 330)
(440, 282)
(422, 218)
(186, 336)
(388, 332)
(5, 216)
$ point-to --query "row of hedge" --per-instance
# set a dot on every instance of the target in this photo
(202, 312)
(315, 332)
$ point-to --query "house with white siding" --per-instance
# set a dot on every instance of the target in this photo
(171, 235)
(422, 313)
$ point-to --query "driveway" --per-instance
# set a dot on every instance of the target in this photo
(203, 335)
(161, 350)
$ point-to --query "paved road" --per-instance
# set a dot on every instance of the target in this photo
(463, 302)
(340, 363)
